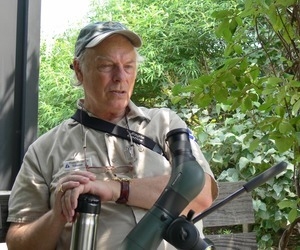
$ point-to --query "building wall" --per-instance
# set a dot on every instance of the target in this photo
(19, 64)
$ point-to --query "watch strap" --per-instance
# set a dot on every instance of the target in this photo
(124, 192)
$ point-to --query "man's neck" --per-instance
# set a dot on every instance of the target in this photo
(113, 117)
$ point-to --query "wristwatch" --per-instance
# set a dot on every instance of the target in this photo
(124, 191)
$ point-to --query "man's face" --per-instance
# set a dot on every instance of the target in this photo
(108, 75)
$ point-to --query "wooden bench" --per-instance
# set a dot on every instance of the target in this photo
(4, 196)
(237, 213)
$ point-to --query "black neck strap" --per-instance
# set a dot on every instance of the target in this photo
(108, 127)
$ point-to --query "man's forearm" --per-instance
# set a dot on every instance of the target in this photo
(144, 192)
(40, 234)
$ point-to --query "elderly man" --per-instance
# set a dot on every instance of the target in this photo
(44, 196)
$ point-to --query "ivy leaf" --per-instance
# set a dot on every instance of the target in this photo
(259, 205)
(257, 160)
(277, 188)
(243, 162)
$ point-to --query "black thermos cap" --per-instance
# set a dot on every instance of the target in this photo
(88, 203)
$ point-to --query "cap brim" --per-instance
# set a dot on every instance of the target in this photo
(134, 38)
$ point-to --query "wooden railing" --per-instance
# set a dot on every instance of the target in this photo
(229, 227)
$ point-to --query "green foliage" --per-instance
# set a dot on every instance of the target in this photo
(57, 95)
(255, 93)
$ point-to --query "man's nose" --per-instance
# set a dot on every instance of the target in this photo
(119, 74)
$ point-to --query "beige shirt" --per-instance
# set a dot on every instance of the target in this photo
(61, 150)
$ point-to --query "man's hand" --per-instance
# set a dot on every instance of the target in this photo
(81, 182)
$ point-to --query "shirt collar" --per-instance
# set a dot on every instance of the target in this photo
(137, 112)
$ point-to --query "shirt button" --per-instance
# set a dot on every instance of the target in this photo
(141, 148)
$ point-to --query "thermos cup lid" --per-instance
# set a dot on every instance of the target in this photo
(88, 203)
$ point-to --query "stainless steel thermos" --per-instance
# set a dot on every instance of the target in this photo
(84, 230)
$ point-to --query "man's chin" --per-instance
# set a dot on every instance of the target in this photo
(118, 105)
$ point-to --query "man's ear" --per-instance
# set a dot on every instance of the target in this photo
(77, 69)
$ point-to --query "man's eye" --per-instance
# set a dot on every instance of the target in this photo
(105, 67)
(129, 67)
